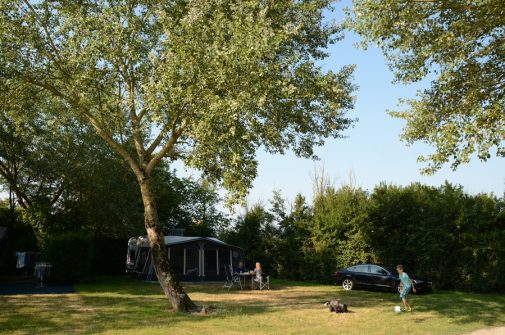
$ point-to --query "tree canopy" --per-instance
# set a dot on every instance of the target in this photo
(204, 81)
(461, 45)
(59, 171)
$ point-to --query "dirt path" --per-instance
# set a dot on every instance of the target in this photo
(488, 331)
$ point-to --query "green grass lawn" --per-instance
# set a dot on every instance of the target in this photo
(127, 306)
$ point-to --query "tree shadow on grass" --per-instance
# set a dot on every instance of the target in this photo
(123, 304)
(129, 304)
(96, 310)
(88, 314)
(464, 307)
(119, 285)
(459, 307)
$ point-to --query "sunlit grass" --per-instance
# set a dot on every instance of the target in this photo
(127, 306)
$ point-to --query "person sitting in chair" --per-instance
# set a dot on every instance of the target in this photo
(257, 275)
(240, 268)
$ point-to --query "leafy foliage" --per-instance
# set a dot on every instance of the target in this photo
(134, 69)
(248, 233)
(461, 45)
(188, 204)
(443, 233)
(339, 216)
(60, 173)
(293, 244)
(70, 254)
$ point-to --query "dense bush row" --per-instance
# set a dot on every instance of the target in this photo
(445, 233)
(453, 237)
(70, 254)
(75, 256)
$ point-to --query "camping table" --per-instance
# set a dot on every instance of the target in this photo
(244, 276)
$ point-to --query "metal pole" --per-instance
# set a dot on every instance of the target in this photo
(184, 264)
(217, 261)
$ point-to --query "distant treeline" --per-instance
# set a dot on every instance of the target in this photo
(456, 238)
(441, 232)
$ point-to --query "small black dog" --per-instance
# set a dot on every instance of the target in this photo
(336, 306)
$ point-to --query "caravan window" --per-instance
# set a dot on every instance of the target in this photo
(142, 259)
(192, 261)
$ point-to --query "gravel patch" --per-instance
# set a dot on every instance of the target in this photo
(488, 331)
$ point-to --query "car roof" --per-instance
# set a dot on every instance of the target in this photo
(387, 267)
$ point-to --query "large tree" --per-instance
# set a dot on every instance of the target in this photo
(205, 81)
(460, 46)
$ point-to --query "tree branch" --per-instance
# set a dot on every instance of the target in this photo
(166, 148)
(58, 193)
(157, 141)
(137, 136)
(110, 141)
(74, 102)
(22, 198)
(50, 41)
(94, 122)
(162, 134)
(142, 114)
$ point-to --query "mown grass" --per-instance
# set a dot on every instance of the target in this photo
(127, 306)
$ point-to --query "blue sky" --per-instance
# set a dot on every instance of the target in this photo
(372, 152)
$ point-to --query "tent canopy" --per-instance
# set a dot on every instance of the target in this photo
(142, 241)
(191, 258)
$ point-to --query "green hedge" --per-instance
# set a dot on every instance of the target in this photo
(455, 238)
(71, 255)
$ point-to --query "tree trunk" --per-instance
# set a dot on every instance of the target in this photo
(169, 283)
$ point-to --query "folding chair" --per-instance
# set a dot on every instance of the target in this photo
(265, 283)
(229, 281)
(235, 278)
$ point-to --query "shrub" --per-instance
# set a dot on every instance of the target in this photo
(70, 254)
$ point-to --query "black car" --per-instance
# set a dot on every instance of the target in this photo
(377, 276)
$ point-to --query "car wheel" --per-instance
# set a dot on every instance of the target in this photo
(347, 284)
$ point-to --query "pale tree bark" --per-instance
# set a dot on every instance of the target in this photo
(169, 283)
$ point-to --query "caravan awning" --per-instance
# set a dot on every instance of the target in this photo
(176, 240)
